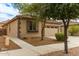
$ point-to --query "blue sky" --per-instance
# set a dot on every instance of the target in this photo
(7, 11)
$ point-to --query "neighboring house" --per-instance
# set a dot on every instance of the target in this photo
(2, 30)
(25, 26)
(1, 24)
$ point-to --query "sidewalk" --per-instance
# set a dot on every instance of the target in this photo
(73, 42)
(29, 50)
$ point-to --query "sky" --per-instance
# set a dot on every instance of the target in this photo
(7, 11)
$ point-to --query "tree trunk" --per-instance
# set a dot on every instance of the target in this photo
(43, 30)
(65, 40)
(66, 25)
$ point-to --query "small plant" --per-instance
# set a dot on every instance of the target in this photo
(73, 29)
(59, 36)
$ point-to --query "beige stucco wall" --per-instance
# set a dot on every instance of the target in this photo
(50, 31)
(12, 29)
(23, 30)
(24, 33)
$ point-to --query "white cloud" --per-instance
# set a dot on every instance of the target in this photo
(7, 12)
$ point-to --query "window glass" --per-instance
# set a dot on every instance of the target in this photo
(31, 26)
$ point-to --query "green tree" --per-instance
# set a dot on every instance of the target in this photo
(73, 29)
(65, 12)
(18, 6)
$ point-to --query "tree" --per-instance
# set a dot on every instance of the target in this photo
(20, 6)
(65, 12)
(73, 29)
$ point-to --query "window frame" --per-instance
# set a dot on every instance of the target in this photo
(36, 25)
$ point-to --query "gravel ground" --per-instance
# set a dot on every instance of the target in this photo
(11, 46)
(36, 41)
(72, 52)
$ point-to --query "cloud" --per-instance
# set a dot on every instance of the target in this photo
(7, 11)
(8, 5)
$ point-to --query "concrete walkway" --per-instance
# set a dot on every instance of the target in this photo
(73, 42)
(29, 50)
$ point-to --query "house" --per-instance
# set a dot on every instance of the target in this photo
(26, 26)
(1, 23)
(2, 30)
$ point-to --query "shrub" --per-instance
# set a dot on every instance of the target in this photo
(73, 29)
(59, 36)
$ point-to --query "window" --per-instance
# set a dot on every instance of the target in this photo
(31, 26)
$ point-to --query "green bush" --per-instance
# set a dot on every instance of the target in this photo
(59, 36)
(73, 29)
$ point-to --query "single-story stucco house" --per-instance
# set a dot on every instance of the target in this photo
(25, 26)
